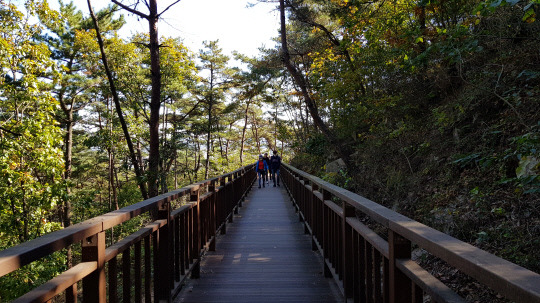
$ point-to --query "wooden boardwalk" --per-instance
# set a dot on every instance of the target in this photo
(264, 257)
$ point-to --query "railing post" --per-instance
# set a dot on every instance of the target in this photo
(314, 223)
(229, 198)
(71, 294)
(400, 284)
(347, 246)
(126, 275)
(243, 187)
(94, 285)
(299, 197)
(213, 216)
(326, 234)
(222, 205)
(235, 194)
(195, 253)
(163, 271)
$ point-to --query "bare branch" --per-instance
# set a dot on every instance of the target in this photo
(159, 15)
(129, 9)
(189, 112)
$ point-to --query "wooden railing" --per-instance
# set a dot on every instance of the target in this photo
(164, 252)
(369, 268)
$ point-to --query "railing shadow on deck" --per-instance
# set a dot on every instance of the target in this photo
(369, 268)
(168, 249)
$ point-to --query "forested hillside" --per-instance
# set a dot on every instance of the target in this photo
(432, 107)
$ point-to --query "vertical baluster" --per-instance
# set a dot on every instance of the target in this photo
(205, 208)
(326, 235)
(162, 275)
(221, 206)
(355, 266)
(212, 217)
(346, 247)
(362, 269)
(418, 293)
(329, 248)
(188, 235)
(400, 284)
(155, 244)
(332, 242)
(137, 269)
(338, 237)
(314, 217)
(113, 280)
(377, 275)
(178, 259)
(196, 232)
(235, 192)
(229, 198)
(147, 269)
(386, 280)
(369, 271)
(71, 294)
(126, 274)
(172, 245)
(183, 244)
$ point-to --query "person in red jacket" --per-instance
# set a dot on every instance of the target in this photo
(261, 167)
(268, 173)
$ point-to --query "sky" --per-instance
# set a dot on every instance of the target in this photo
(235, 25)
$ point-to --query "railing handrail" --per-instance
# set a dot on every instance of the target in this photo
(17, 256)
(506, 278)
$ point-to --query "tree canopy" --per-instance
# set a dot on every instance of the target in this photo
(432, 106)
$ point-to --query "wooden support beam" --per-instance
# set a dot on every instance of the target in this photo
(94, 285)
(400, 284)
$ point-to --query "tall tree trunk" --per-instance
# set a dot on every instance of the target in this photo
(68, 157)
(116, 100)
(155, 101)
(163, 169)
(227, 143)
(198, 154)
(111, 165)
(275, 126)
(138, 146)
(302, 83)
(175, 171)
(255, 130)
(244, 134)
(208, 140)
(209, 135)
(220, 143)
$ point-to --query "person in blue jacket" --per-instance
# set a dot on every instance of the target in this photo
(275, 164)
(261, 168)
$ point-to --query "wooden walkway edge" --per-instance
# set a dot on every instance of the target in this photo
(264, 257)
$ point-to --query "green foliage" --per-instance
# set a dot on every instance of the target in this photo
(317, 146)
(340, 179)
(30, 158)
(529, 8)
(27, 278)
(437, 102)
(31, 162)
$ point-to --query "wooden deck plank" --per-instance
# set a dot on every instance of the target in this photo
(264, 257)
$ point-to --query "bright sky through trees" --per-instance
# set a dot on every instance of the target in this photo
(235, 25)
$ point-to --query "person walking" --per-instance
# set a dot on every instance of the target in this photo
(275, 164)
(261, 167)
(268, 173)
